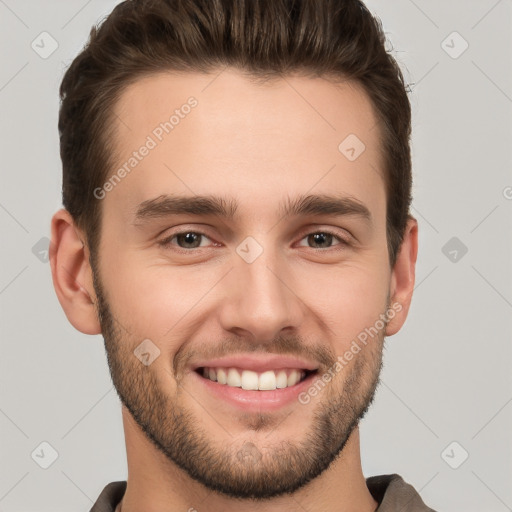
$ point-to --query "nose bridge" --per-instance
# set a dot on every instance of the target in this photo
(260, 299)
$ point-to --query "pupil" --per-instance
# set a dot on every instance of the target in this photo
(321, 237)
(190, 238)
(317, 238)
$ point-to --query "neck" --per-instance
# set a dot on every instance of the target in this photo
(155, 484)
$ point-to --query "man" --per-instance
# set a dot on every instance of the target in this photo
(236, 184)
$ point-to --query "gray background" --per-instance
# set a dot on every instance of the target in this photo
(447, 373)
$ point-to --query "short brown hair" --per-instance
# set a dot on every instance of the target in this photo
(265, 38)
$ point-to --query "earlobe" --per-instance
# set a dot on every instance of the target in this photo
(403, 278)
(72, 274)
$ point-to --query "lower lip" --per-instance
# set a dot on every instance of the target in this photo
(251, 400)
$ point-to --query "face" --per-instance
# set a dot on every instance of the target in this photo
(245, 246)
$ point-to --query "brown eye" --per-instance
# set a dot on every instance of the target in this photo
(323, 240)
(189, 240)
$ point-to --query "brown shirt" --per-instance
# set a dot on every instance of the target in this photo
(391, 492)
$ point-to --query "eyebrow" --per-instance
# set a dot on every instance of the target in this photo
(226, 208)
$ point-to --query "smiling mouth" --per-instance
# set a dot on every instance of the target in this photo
(257, 381)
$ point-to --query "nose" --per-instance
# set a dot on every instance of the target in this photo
(259, 299)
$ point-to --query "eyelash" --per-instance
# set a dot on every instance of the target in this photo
(167, 241)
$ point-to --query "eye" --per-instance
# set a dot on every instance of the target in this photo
(188, 240)
(323, 239)
(185, 240)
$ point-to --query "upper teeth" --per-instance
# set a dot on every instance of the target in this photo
(249, 380)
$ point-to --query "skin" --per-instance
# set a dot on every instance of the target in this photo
(256, 144)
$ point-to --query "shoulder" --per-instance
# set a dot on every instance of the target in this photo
(110, 497)
(392, 493)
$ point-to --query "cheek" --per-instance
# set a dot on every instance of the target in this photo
(159, 300)
(348, 299)
(149, 300)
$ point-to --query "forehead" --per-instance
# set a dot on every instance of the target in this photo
(223, 133)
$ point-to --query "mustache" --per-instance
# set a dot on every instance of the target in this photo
(295, 346)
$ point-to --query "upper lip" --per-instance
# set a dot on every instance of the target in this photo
(257, 363)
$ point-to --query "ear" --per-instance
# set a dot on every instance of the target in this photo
(403, 277)
(72, 274)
